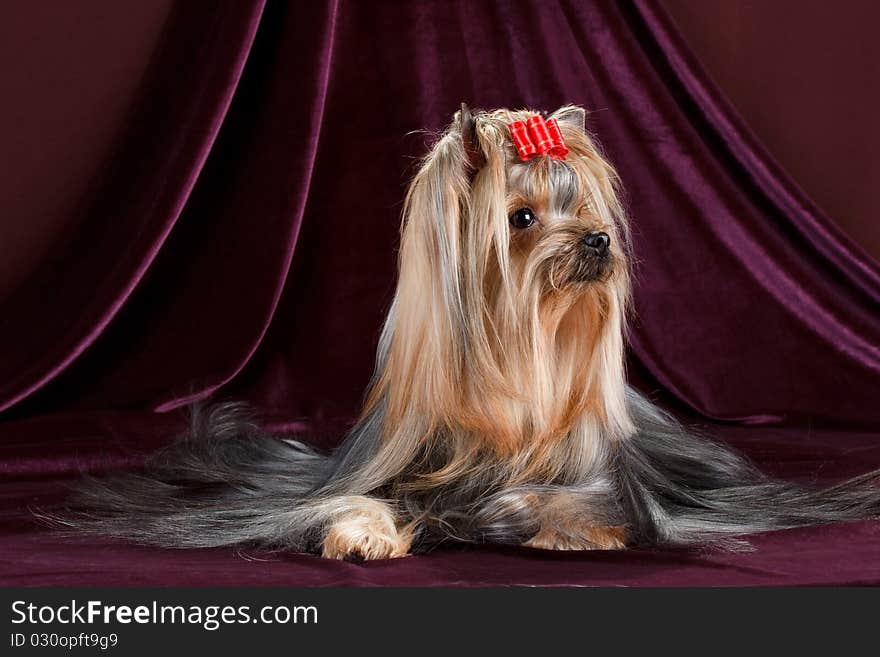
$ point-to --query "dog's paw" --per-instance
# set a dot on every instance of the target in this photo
(365, 536)
(579, 538)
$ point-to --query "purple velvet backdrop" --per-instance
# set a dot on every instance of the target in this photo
(243, 246)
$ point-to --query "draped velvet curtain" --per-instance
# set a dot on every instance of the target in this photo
(243, 241)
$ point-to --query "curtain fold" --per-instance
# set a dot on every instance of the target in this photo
(790, 248)
(291, 212)
(188, 90)
(705, 102)
(245, 241)
(855, 274)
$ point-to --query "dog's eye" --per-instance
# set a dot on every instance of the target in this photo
(522, 218)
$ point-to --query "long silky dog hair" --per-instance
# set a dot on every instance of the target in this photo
(498, 410)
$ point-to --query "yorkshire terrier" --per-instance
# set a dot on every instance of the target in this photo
(499, 409)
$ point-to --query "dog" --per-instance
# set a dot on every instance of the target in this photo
(499, 409)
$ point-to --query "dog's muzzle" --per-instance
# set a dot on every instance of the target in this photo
(597, 243)
(596, 262)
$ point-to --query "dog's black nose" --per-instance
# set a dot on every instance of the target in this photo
(598, 242)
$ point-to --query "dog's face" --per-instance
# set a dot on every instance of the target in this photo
(554, 230)
(560, 216)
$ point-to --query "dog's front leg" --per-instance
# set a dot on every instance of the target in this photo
(564, 525)
(362, 527)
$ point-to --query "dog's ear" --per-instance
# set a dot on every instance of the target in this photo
(572, 116)
(466, 125)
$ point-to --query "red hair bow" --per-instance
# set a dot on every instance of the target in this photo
(537, 137)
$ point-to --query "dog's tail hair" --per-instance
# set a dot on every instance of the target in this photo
(223, 483)
(677, 488)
